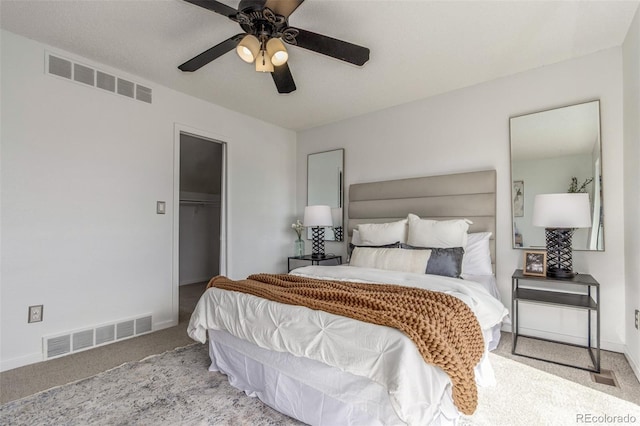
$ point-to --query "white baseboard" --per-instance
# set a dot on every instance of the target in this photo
(10, 364)
(165, 324)
(575, 340)
(632, 363)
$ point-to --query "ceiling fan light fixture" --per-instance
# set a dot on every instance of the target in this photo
(277, 52)
(248, 48)
(263, 64)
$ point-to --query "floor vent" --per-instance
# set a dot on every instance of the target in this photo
(65, 68)
(605, 377)
(80, 340)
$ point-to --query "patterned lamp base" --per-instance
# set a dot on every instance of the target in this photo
(559, 261)
(317, 245)
(337, 231)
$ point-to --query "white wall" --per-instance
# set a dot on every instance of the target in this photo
(631, 87)
(81, 172)
(468, 130)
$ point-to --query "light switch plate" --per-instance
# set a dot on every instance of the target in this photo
(161, 207)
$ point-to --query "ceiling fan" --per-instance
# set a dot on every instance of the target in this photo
(266, 26)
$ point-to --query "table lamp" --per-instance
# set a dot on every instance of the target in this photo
(336, 218)
(317, 218)
(560, 215)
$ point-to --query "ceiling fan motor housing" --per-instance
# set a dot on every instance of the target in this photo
(263, 22)
(267, 20)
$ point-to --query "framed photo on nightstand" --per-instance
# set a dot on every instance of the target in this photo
(535, 263)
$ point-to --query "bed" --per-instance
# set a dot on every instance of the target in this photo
(322, 368)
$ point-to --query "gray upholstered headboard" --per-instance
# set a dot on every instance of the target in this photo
(462, 195)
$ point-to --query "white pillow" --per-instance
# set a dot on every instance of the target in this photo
(477, 255)
(379, 234)
(391, 259)
(437, 233)
(355, 238)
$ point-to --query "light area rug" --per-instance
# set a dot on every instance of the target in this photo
(175, 388)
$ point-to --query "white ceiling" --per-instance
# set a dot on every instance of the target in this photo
(418, 48)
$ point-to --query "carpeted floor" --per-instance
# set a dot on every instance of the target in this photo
(34, 378)
(176, 388)
(628, 386)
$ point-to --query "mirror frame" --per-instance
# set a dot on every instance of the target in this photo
(329, 233)
(600, 185)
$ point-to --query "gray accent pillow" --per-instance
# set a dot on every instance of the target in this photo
(443, 261)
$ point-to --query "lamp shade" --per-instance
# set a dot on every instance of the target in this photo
(567, 210)
(317, 216)
(248, 48)
(277, 52)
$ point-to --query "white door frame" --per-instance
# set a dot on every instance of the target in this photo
(201, 134)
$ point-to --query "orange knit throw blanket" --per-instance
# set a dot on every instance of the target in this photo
(443, 327)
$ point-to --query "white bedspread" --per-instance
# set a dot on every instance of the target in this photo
(419, 393)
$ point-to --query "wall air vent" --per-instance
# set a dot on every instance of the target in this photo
(83, 74)
(105, 81)
(124, 329)
(60, 67)
(58, 346)
(82, 339)
(105, 334)
(125, 88)
(143, 325)
(143, 94)
(66, 68)
(87, 338)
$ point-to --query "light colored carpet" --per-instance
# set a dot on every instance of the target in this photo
(527, 396)
(27, 380)
(628, 386)
(176, 388)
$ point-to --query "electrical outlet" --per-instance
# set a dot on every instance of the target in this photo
(637, 319)
(35, 313)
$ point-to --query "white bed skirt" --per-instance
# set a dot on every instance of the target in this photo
(274, 377)
(311, 391)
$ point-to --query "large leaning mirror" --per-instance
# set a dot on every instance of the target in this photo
(325, 171)
(556, 151)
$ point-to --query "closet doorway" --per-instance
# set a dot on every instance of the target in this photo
(201, 218)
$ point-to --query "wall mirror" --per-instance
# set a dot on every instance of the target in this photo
(556, 151)
(325, 172)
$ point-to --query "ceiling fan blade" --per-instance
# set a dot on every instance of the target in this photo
(209, 55)
(215, 6)
(283, 79)
(283, 7)
(329, 46)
